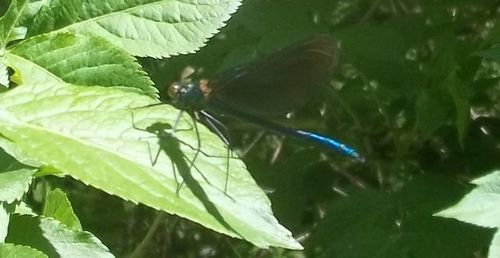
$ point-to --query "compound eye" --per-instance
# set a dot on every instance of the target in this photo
(174, 89)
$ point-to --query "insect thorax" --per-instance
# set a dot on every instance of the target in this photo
(187, 96)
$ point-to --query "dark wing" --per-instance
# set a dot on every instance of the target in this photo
(276, 84)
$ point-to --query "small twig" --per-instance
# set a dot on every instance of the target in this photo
(277, 151)
(147, 238)
(352, 178)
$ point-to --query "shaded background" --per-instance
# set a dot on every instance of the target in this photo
(412, 92)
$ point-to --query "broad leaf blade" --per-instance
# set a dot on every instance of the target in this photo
(91, 134)
(156, 28)
(23, 209)
(54, 238)
(32, 8)
(9, 21)
(20, 251)
(4, 75)
(79, 60)
(57, 206)
(480, 206)
(4, 222)
(494, 250)
(14, 184)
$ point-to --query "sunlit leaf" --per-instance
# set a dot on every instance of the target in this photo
(9, 21)
(4, 75)
(79, 60)
(19, 251)
(98, 136)
(57, 206)
(154, 28)
(480, 206)
(54, 238)
(14, 184)
(4, 221)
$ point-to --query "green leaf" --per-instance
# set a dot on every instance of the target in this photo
(57, 206)
(433, 110)
(93, 135)
(4, 221)
(23, 208)
(10, 20)
(19, 251)
(13, 184)
(54, 238)
(154, 28)
(480, 206)
(32, 8)
(445, 94)
(79, 60)
(4, 75)
(494, 250)
(18, 33)
(26, 18)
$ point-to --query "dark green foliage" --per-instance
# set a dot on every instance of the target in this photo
(410, 73)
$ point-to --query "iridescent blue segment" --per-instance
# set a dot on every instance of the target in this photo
(331, 143)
